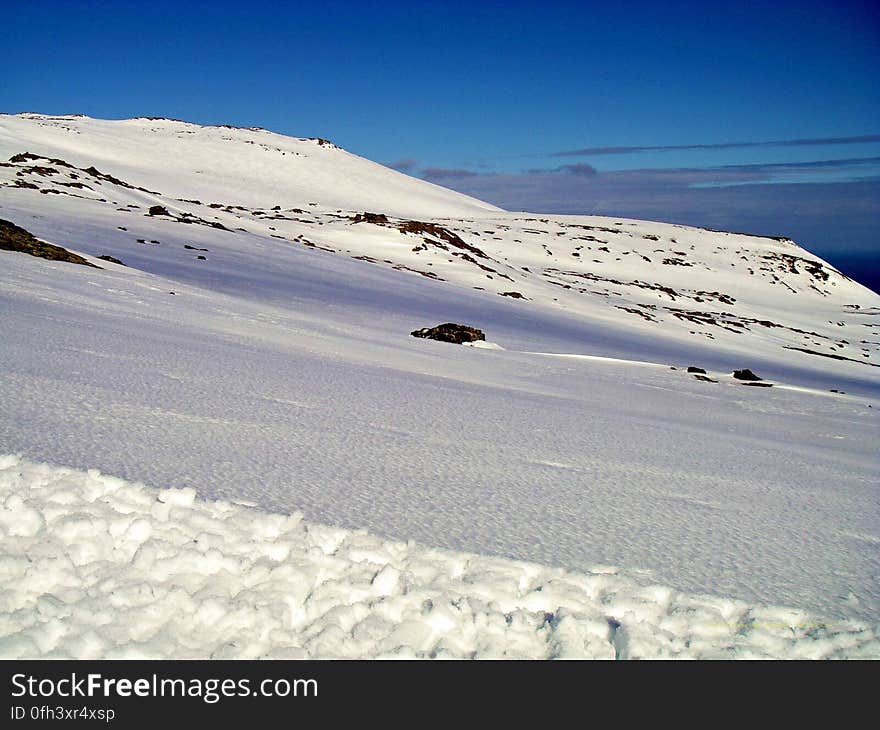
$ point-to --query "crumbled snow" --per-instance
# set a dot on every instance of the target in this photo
(113, 576)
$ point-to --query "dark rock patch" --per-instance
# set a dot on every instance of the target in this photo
(693, 369)
(375, 218)
(825, 354)
(704, 378)
(759, 385)
(24, 157)
(745, 374)
(158, 210)
(444, 234)
(511, 294)
(96, 173)
(111, 259)
(15, 238)
(450, 332)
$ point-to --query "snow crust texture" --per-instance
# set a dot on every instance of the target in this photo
(95, 566)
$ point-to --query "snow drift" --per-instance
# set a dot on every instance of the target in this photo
(94, 566)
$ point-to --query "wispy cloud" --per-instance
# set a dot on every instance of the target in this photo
(580, 168)
(825, 216)
(408, 164)
(772, 172)
(808, 142)
(810, 165)
(830, 206)
(444, 173)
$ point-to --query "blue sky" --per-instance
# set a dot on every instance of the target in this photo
(756, 116)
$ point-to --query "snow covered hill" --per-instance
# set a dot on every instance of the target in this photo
(246, 166)
(227, 207)
(247, 335)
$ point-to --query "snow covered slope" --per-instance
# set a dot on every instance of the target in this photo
(255, 345)
(159, 195)
(247, 166)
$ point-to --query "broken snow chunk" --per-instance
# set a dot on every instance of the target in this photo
(386, 581)
(178, 497)
(19, 519)
(139, 531)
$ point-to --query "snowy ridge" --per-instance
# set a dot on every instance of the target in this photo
(244, 166)
(94, 566)
(247, 197)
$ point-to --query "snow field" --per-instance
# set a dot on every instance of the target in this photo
(94, 566)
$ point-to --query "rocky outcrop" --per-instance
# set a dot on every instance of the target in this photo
(745, 374)
(15, 238)
(450, 332)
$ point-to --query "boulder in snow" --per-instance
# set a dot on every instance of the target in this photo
(450, 332)
(745, 374)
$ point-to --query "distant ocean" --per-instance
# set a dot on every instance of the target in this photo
(863, 267)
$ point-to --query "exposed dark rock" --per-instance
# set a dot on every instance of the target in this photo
(375, 218)
(111, 259)
(96, 173)
(444, 234)
(693, 369)
(745, 374)
(450, 332)
(760, 385)
(511, 294)
(41, 170)
(24, 157)
(15, 238)
(158, 210)
(825, 354)
(704, 378)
